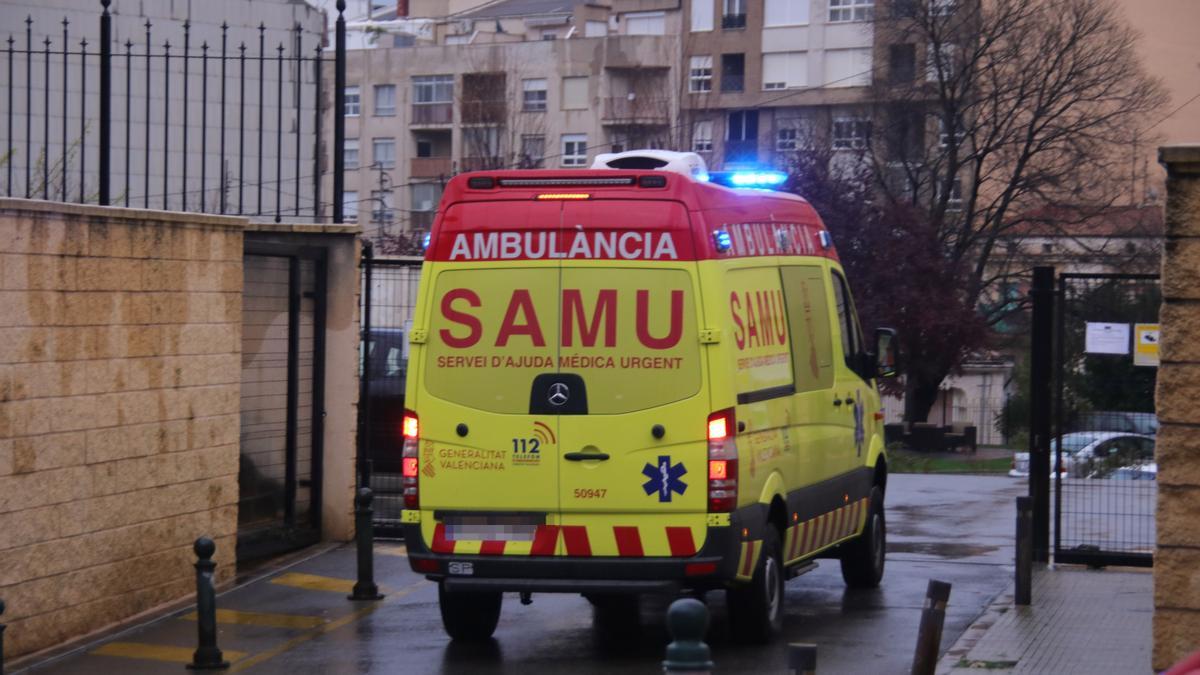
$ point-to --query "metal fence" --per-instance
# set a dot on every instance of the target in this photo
(389, 295)
(166, 119)
(1103, 462)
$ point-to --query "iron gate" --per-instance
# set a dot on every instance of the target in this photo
(283, 329)
(388, 297)
(1104, 470)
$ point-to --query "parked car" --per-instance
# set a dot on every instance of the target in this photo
(1145, 423)
(1136, 472)
(1086, 452)
(385, 389)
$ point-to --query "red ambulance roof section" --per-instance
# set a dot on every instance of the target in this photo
(619, 222)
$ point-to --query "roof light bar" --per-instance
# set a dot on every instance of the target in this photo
(554, 182)
(749, 179)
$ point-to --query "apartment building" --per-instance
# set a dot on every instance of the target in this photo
(516, 83)
(766, 78)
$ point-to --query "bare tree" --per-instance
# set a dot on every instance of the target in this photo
(1022, 106)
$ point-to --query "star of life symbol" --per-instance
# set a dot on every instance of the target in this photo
(859, 434)
(664, 478)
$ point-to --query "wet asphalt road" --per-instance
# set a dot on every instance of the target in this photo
(952, 528)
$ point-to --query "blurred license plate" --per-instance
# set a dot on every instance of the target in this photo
(492, 527)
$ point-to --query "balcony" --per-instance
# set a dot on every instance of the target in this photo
(733, 83)
(484, 111)
(420, 220)
(432, 113)
(484, 163)
(733, 21)
(625, 110)
(429, 167)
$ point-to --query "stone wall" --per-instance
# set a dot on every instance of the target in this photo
(119, 384)
(1177, 557)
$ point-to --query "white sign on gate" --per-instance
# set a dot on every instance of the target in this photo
(1107, 338)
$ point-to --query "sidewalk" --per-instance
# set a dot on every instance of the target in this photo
(1081, 621)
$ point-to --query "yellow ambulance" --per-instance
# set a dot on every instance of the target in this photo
(630, 380)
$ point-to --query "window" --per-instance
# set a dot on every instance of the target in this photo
(350, 154)
(481, 141)
(702, 15)
(940, 62)
(595, 29)
(791, 135)
(942, 7)
(784, 70)
(851, 10)
(741, 136)
(350, 205)
(383, 153)
(533, 150)
(575, 93)
(902, 63)
(534, 95)
(851, 133)
(574, 149)
(808, 322)
(351, 106)
(425, 196)
(847, 67)
(700, 74)
(549, 35)
(385, 100)
(463, 39)
(847, 322)
(733, 72)
(382, 207)
(944, 136)
(646, 23)
(734, 15)
(702, 136)
(786, 13)
(955, 198)
(424, 147)
(433, 89)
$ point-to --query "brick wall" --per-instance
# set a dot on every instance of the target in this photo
(1177, 558)
(119, 384)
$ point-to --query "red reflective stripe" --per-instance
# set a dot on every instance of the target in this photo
(840, 520)
(747, 568)
(629, 542)
(544, 540)
(823, 534)
(680, 541)
(492, 548)
(794, 550)
(440, 543)
(576, 539)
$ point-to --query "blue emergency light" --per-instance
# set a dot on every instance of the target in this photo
(425, 242)
(722, 240)
(759, 179)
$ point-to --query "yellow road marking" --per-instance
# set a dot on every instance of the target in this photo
(322, 629)
(234, 616)
(313, 582)
(398, 551)
(138, 650)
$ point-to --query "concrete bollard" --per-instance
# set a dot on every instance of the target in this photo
(802, 658)
(207, 655)
(929, 635)
(1024, 573)
(687, 620)
(364, 588)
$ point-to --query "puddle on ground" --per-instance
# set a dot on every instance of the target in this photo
(942, 549)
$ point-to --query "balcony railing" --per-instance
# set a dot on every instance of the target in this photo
(433, 113)
(741, 151)
(484, 111)
(733, 21)
(642, 110)
(733, 82)
(428, 167)
(420, 220)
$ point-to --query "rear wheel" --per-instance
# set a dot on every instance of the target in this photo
(756, 610)
(863, 558)
(469, 616)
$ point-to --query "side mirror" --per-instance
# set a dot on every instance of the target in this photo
(887, 353)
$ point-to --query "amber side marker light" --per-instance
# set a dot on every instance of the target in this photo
(547, 196)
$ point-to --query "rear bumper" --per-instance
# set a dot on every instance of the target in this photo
(714, 565)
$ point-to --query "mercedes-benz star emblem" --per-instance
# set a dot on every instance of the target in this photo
(559, 394)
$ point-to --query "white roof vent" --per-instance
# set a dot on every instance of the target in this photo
(687, 163)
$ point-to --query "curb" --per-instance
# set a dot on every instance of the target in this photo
(1002, 604)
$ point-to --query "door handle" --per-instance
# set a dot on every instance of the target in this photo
(581, 456)
(849, 401)
(837, 402)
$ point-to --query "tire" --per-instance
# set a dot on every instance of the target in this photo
(756, 610)
(471, 617)
(863, 559)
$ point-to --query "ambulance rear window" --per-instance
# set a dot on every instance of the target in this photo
(629, 332)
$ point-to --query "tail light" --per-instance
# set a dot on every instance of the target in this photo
(722, 462)
(410, 461)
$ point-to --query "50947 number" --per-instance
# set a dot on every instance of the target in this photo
(590, 493)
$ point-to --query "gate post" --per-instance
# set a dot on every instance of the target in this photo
(1041, 343)
(364, 381)
(339, 111)
(105, 103)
